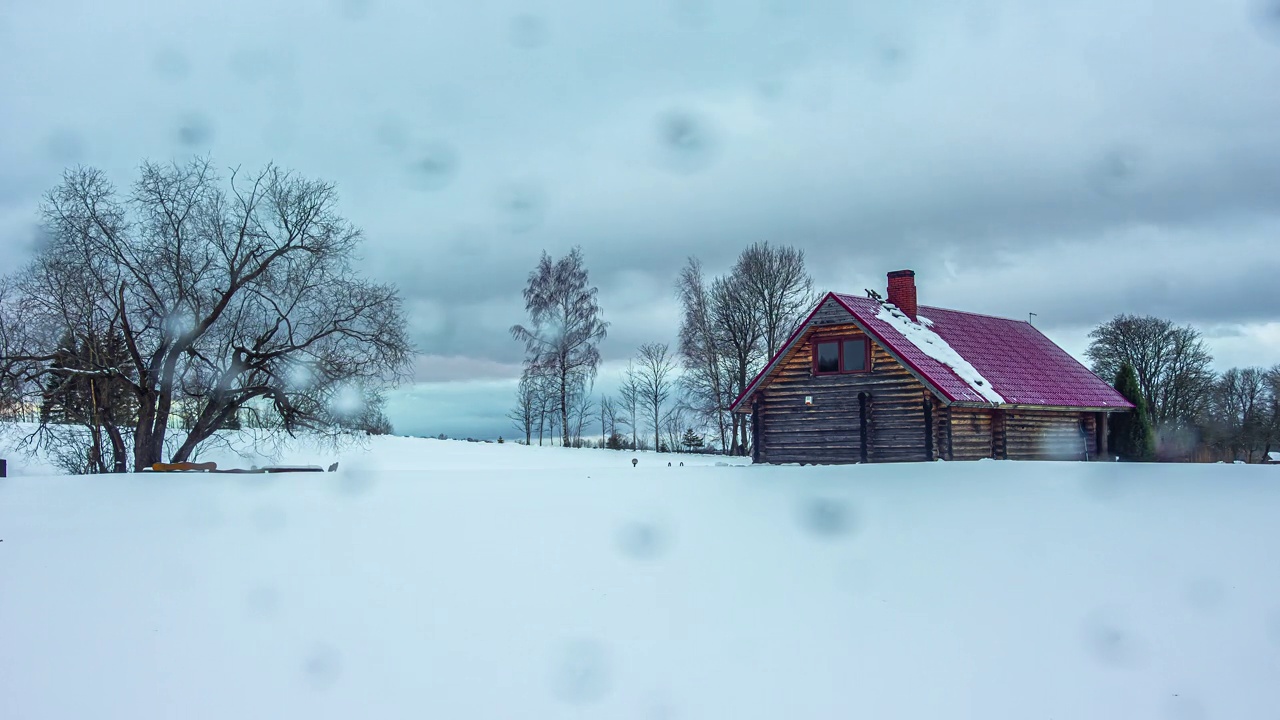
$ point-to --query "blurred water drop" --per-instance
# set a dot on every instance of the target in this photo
(1116, 171)
(1273, 628)
(1108, 641)
(692, 13)
(251, 64)
(642, 540)
(520, 207)
(890, 62)
(204, 515)
(1266, 17)
(1180, 706)
(354, 482)
(347, 402)
(65, 146)
(323, 666)
(826, 517)
(262, 602)
(1205, 595)
(171, 64)
(434, 168)
(581, 674)
(194, 129)
(686, 141)
(528, 31)
(354, 9)
(269, 518)
(392, 135)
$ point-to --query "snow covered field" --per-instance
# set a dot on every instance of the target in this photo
(437, 579)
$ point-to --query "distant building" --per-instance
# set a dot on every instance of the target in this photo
(1273, 458)
(862, 380)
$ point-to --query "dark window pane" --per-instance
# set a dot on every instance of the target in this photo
(855, 355)
(828, 357)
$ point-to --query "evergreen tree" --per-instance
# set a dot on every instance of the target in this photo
(691, 440)
(1129, 434)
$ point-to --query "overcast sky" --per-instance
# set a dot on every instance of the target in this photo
(1075, 160)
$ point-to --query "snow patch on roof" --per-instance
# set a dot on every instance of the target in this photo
(1273, 456)
(931, 344)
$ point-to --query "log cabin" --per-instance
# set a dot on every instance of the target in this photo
(870, 380)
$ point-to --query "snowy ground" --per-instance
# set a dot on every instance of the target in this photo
(453, 580)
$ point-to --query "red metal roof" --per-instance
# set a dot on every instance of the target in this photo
(1016, 359)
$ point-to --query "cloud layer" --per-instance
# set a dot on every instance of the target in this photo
(1074, 161)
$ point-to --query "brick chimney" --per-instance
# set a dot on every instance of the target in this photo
(902, 291)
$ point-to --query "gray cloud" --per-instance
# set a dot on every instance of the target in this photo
(1070, 160)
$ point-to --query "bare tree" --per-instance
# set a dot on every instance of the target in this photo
(674, 424)
(701, 350)
(1238, 415)
(740, 332)
(1172, 363)
(566, 327)
(630, 401)
(581, 412)
(654, 378)
(775, 281)
(525, 415)
(224, 296)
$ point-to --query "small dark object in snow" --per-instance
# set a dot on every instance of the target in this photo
(668, 463)
(681, 464)
(634, 462)
(333, 467)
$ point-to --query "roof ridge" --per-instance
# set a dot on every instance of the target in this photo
(975, 314)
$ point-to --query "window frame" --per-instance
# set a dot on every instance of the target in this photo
(839, 341)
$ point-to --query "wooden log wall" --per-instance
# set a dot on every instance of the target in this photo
(971, 433)
(1050, 435)
(830, 431)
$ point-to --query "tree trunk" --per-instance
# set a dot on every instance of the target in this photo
(118, 459)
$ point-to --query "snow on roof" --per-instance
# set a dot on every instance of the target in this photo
(1273, 456)
(930, 343)
(1016, 362)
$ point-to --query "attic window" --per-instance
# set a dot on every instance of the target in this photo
(841, 355)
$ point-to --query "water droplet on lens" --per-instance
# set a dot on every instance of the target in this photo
(685, 141)
(354, 9)
(520, 207)
(65, 146)
(434, 168)
(826, 517)
(528, 31)
(269, 519)
(262, 601)
(1266, 16)
(1107, 639)
(171, 64)
(323, 666)
(194, 129)
(581, 674)
(642, 540)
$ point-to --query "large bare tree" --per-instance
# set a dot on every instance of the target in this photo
(1173, 365)
(742, 337)
(228, 294)
(774, 279)
(702, 352)
(565, 330)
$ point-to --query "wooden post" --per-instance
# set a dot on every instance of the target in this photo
(1104, 452)
(757, 426)
(928, 430)
(862, 424)
(4, 468)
